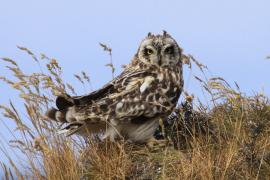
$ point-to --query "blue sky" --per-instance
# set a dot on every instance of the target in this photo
(231, 37)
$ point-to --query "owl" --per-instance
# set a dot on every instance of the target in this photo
(131, 105)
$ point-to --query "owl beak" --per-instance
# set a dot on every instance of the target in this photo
(159, 60)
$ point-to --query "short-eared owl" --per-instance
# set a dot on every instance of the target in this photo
(131, 105)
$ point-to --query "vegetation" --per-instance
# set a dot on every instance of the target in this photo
(225, 138)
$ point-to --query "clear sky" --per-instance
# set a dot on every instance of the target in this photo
(231, 37)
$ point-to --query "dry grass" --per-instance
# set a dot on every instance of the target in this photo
(226, 139)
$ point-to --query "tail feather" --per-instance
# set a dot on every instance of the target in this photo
(56, 115)
(65, 113)
(71, 128)
(64, 102)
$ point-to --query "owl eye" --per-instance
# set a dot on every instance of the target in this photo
(169, 50)
(149, 51)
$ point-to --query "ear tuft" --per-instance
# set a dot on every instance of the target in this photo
(165, 33)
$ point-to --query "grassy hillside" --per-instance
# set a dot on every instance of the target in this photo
(225, 138)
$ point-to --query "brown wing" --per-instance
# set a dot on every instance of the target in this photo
(141, 98)
(65, 101)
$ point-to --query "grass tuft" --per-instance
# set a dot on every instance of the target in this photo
(225, 138)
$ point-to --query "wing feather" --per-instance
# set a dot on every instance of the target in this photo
(111, 87)
(65, 101)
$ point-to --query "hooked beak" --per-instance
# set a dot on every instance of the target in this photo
(159, 55)
(159, 60)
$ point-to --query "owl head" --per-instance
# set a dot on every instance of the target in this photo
(160, 50)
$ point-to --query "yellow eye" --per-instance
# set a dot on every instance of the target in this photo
(169, 50)
(149, 51)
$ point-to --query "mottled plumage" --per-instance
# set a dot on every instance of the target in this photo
(131, 105)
